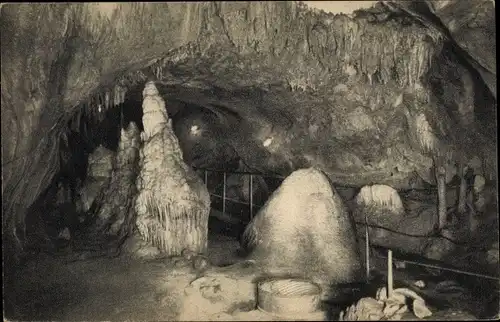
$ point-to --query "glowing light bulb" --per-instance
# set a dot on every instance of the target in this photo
(268, 142)
(195, 130)
(100, 109)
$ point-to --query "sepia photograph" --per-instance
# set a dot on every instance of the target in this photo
(249, 161)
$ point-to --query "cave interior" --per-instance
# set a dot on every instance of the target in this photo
(378, 101)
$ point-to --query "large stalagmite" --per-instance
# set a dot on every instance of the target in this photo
(304, 230)
(173, 204)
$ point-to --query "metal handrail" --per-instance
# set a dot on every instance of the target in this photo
(455, 270)
(234, 200)
(337, 185)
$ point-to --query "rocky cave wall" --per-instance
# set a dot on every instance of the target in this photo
(330, 91)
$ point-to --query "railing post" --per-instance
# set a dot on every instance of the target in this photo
(367, 248)
(224, 196)
(251, 197)
(389, 274)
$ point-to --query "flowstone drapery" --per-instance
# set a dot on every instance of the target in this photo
(173, 204)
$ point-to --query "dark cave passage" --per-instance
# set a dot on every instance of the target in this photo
(62, 204)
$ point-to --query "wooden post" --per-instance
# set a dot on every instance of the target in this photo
(251, 197)
(224, 196)
(367, 249)
(389, 274)
(206, 178)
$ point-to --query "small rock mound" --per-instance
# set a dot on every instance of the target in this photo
(383, 308)
(216, 297)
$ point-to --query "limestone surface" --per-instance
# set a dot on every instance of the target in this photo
(173, 204)
(304, 230)
(392, 223)
(115, 214)
(100, 167)
(217, 294)
(331, 90)
(100, 162)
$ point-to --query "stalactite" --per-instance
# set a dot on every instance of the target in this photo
(380, 195)
(123, 93)
(116, 98)
(427, 139)
(106, 100)
(441, 183)
(462, 195)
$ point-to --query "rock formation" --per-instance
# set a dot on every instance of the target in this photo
(369, 98)
(305, 231)
(115, 211)
(214, 294)
(390, 224)
(172, 204)
(408, 223)
(99, 170)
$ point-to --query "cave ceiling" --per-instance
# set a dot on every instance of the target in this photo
(371, 97)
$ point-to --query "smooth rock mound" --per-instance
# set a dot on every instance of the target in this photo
(214, 298)
(304, 230)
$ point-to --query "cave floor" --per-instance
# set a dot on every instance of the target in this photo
(98, 289)
(123, 289)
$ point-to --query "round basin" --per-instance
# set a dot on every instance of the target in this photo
(292, 298)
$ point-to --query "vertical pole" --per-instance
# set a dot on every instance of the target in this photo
(121, 123)
(224, 196)
(206, 178)
(251, 197)
(389, 274)
(121, 117)
(367, 249)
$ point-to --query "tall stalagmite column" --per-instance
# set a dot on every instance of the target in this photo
(173, 204)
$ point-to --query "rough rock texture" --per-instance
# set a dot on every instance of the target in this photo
(100, 163)
(216, 294)
(382, 308)
(172, 204)
(473, 28)
(304, 230)
(390, 223)
(115, 212)
(409, 225)
(349, 95)
(99, 170)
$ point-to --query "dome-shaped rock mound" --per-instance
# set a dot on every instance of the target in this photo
(304, 230)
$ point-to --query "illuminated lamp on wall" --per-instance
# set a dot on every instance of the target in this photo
(268, 142)
(195, 130)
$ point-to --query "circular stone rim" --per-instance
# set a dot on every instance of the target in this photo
(266, 298)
